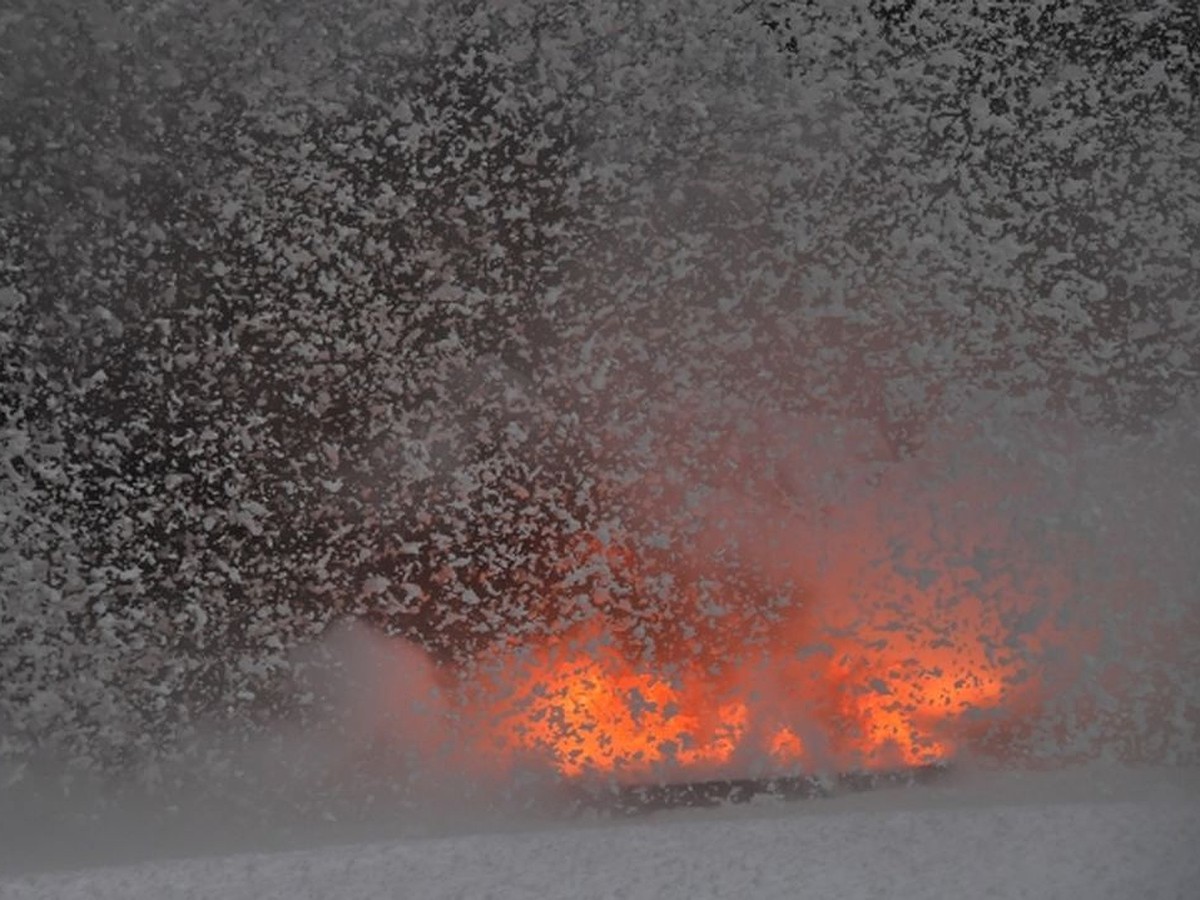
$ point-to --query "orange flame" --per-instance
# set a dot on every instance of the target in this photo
(582, 705)
(894, 630)
(889, 674)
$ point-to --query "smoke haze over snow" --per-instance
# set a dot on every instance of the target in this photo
(415, 414)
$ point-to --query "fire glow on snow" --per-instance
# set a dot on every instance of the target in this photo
(866, 695)
(918, 618)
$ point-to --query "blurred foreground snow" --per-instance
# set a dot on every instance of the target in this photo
(1097, 832)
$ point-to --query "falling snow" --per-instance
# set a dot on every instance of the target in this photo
(549, 395)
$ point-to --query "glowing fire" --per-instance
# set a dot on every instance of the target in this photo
(582, 705)
(856, 690)
(911, 623)
(595, 712)
(876, 667)
(955, 605)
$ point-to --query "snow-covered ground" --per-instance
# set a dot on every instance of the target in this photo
(1089, 833)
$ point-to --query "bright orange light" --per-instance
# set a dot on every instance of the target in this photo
(581, 705)
(587, 709)
(591, 714)
(880, 635)
(786, 747)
